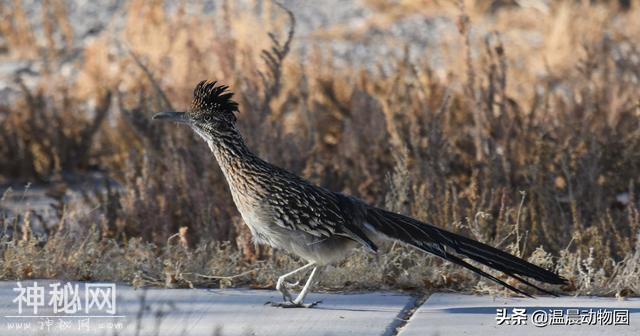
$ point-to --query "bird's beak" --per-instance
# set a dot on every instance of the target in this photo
(179, 117)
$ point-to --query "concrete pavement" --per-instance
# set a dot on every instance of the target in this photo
(99, 310)
(456, 314)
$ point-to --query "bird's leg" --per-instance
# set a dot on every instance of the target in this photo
(282, 288)
(305, 290)
(298, 302)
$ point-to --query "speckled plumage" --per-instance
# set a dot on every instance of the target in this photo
(321, 226)
(209, 98)
(276, 204)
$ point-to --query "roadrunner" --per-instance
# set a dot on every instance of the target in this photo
(321, 226)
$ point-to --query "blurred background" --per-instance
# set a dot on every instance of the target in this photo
(514, 122)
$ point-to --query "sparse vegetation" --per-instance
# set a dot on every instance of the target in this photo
(526, 137)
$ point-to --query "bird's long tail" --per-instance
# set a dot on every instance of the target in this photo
(451, 247)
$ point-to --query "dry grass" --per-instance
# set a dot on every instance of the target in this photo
(530, 146)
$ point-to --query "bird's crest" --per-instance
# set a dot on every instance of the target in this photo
(211, 99)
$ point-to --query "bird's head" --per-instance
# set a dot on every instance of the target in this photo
(212, 111)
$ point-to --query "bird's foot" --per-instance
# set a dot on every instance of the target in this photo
(292, 304)
(286, 296)
(283, 288)
(291, 284)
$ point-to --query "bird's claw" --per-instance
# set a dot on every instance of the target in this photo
(283, 287)
(286, 295)
(292, 284)
(291, 304)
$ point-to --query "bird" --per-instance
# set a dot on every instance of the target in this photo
(323, 227)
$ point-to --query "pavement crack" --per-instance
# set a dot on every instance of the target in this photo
(403, 317)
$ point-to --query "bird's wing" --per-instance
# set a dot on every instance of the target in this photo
(451, 246)
(318, 211)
